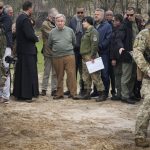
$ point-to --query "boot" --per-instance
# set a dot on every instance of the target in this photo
(86, 95)
(53, 93)
(67, 93)
(102, 96)
(95, 92)
(137, 90)
(43, 93)
(141, 142)
(81, 92)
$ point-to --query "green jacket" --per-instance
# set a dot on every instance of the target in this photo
(89, 42)
(47, 26)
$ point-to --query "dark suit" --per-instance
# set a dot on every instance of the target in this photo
(26, 76)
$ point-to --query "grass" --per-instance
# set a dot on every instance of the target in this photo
(40, 57)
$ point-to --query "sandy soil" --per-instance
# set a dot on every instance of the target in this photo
(48, 124)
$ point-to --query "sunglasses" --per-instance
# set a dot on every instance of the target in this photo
(80, 12)
(131, 15)
(1, 7)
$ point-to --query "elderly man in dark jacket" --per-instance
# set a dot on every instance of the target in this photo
(26, 78)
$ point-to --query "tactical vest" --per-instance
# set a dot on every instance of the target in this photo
(147, 50)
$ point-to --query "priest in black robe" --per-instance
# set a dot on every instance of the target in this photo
(26, 76)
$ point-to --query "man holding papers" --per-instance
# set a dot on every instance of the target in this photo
(88, 50)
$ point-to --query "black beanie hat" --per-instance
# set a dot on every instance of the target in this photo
(88, 19)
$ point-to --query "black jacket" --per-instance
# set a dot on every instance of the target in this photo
(125, 41)
(114, 46)
(6, 23)
(73, 25)
(25, 36)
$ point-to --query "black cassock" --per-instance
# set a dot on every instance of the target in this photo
(26, 75)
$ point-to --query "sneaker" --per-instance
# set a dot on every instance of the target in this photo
(141, 142)
(67, 93)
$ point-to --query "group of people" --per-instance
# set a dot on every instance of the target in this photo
(116, 38)
(108, 36)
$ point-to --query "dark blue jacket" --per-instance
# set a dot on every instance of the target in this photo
(6, 22)
(105, 31)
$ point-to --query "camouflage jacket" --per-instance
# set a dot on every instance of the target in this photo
(140, 48)
(3, 42)
(47, 26)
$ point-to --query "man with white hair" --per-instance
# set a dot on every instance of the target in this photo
(61, 41)
(47, 26)
(9, 10)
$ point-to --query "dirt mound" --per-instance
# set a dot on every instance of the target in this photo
(67, 125)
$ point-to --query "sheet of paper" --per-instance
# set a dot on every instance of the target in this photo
(96, 66)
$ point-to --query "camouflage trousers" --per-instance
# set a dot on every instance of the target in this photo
(2, 74)
(5, 76)
(143, 116)
(89, 78)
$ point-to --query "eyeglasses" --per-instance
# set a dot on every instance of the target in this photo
(80, 12)
(131, 15)
(1, 7)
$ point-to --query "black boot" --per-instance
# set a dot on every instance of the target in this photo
(81, 87)
(86, 95)
(81, 92)
(43, 93)
(137, 90)
(95, 92)
(102, 96)
(67, 93)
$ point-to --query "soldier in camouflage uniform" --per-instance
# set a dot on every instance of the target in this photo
(88, 50)
(141, 55)
(5, 48)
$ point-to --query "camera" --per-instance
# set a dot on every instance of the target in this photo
(10, 59)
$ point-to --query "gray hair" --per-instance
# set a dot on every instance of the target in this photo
(53, 12)
(6, 7)
(99, 9)
(60, 15)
